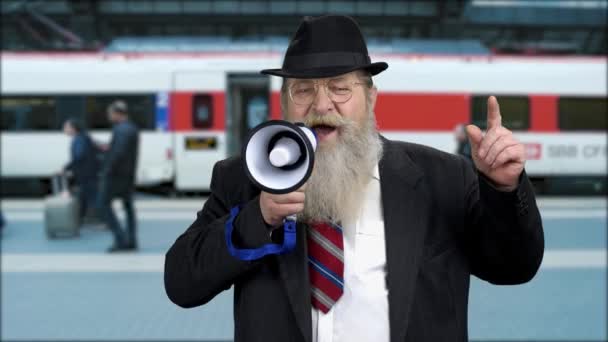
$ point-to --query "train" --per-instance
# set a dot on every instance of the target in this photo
(196, 108)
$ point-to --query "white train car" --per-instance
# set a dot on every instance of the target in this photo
(194, 109)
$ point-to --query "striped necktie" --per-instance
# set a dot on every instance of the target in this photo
(325, 264)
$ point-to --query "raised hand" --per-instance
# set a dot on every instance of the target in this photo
(497, 154)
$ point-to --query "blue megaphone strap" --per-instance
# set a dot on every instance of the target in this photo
(289, 240)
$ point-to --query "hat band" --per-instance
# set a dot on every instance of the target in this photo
(325, 59)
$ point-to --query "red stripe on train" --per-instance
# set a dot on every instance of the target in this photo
(275, 106)
(413, 111)
(180, 111)
(543, 113)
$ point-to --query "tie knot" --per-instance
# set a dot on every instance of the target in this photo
(325, 226)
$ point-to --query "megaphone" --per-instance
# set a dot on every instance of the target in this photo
(279, 156)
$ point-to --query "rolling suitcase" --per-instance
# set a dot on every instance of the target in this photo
(61, 211)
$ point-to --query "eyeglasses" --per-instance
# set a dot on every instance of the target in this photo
(339, 90)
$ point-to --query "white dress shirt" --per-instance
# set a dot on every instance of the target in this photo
(361, 314)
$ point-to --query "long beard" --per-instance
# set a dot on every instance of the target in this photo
(342, 171)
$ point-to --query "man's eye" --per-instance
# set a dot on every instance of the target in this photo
(304, 90)
(338, 89)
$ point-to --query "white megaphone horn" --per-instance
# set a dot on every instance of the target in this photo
(279, 156)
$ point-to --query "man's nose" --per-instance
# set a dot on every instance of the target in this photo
(322, 103)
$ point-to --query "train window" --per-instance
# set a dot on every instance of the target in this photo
(515, 111)
(24, 113)
(582, 114)
(202, 111)
(67, 107)
(141, 110)
(48, 113)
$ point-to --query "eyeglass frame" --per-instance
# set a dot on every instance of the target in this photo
(326, 87)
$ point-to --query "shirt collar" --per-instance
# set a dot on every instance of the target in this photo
(376, 173)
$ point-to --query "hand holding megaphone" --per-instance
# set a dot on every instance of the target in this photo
(276, 207)
(278, 157)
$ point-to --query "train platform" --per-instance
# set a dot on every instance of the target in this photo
(70, 289)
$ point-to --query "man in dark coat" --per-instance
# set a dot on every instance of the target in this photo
(388, 232)
(463, 147)
(84, 164)
(118, 177)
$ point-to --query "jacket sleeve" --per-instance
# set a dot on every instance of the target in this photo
(118, 147)
(504, 237)
(77, 153)
(198, 266)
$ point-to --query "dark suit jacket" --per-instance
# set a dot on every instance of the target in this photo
(120, 161)
(83, 159)
(443, 222)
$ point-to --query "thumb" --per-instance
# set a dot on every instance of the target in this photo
(475, 136)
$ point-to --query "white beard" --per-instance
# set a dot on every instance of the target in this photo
(342, 171)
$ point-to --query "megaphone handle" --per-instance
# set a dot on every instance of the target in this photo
(289, 240)
(289, 229)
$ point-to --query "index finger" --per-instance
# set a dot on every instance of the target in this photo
(494, 118)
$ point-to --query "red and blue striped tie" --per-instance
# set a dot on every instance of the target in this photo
(325, 264)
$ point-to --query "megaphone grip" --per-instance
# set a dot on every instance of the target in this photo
(248, 254)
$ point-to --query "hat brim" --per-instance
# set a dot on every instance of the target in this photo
(372, 68)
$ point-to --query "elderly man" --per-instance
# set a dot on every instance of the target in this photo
(389, 232)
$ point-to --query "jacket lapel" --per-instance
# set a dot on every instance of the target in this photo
(405, 208)
(294, 273)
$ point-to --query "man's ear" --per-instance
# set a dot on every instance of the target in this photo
(373, 94)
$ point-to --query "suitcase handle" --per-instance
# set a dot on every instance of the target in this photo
(59, 184)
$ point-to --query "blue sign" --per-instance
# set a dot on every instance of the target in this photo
(162, 111)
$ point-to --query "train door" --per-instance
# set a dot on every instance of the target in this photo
(247, 107)
(197, 121)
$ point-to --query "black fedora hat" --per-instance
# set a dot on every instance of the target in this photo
(326, 46)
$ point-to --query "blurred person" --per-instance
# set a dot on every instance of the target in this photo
(83, 165)
(118, 177)
(463, 147)
(388, 232)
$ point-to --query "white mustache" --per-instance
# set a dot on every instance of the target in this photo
(312, 120)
